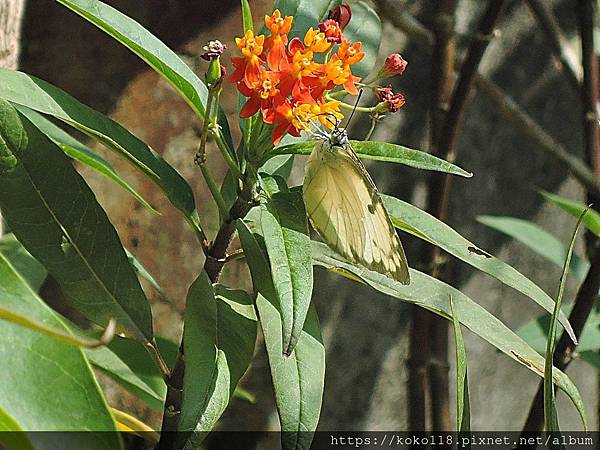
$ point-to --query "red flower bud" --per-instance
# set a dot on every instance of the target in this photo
(341, 14)
(394, 65)
(332, 31)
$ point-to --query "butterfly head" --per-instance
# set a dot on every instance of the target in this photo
(339, 136)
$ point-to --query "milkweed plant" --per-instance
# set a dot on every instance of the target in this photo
(299, 79)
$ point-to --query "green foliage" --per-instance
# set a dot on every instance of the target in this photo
(298, 379)
(219, 339)
(463, 408)
(382, 151)
(79, 152)
(433, 295)
(550, 416)
(46, 384)
(67, 230)
(411, 219)
(285, 230)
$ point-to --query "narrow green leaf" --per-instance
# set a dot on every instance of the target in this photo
(423, 225)
(463, 408)
(247, 16)
(298, 379)
(143, 273)
(56, 217)
(382, 151)
(33, 93)
(285, 229)
(219, 338)
(47, 385)
(538, 240)
(79, 152)
(365, 26)
(26, 265)
(550, 416)
(432, 294)
(591, 219)
(152, 51)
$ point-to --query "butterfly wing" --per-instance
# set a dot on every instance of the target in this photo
(346, 210)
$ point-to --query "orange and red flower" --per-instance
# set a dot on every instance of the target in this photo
(287, 81)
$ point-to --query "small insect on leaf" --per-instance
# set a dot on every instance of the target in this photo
(478, 251)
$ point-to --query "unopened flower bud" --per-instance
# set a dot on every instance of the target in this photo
(332, 31)
(394, 65)
(213, 50)
(341, 14)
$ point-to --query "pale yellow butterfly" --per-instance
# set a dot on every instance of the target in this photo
(346, 210)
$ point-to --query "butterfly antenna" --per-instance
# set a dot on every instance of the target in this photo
(354, 110)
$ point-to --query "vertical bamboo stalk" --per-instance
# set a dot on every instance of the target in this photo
(429, 335)
(586, 296)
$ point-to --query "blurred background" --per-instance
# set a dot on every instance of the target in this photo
(366, 335)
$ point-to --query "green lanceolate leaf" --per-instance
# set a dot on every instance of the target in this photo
(26, 90)
(411, 219)
(550, 416)
(538, 240)
(45, 384)
(79, 152)
(365, 26)
(150, 49)
(56, 217)
(382, 151)
(575, 208)
(26, 265)
(247, 16)
(298, 379)
(433, 294)
(463, 408)
(219, 338)
(285, 230)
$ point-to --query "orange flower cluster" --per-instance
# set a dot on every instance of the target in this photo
(287, 80)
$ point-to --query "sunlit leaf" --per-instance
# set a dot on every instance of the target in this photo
(285, 230)
(219, 338)
(298, 379)
(79, 152)
(382, 151)
(538, 240)
(423, 225)
(64, 228)
(46, 384)
(433, 294)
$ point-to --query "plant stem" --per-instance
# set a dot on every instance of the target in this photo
(510, 110)
(425, 347)
(589, 89)
(586, 296)
(371, 129)
(565, 349)
(568, 62)
(213, 265)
